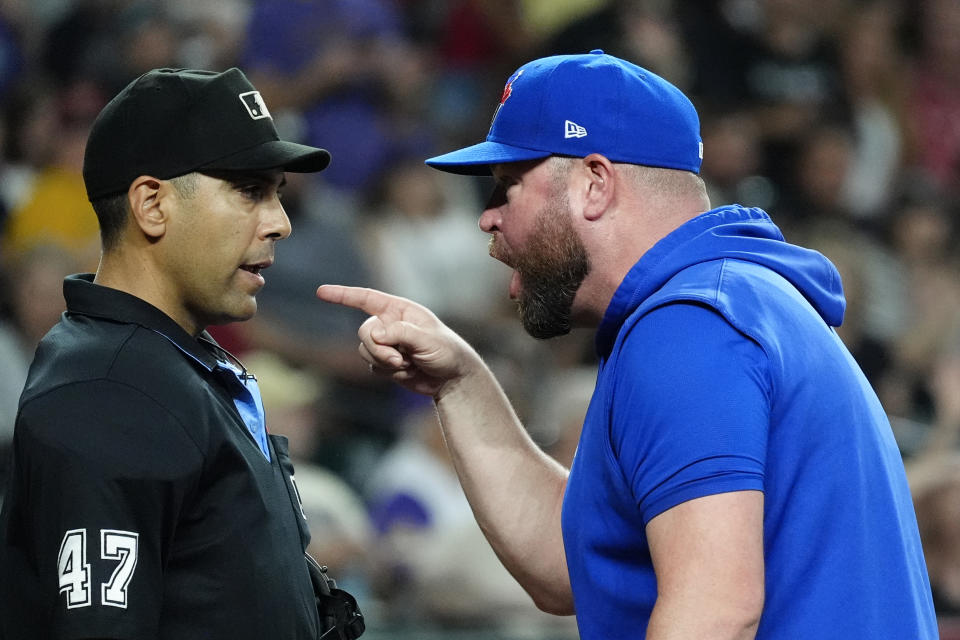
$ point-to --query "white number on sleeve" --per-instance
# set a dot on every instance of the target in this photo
(73, 570)
(122, 546)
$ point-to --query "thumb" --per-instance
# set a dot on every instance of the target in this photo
(436, 350)
(379, 333)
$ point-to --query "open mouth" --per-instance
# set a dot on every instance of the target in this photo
(256, 267)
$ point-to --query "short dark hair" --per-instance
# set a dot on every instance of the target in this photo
(112, 211)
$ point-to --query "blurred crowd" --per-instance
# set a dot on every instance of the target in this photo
(839, 117)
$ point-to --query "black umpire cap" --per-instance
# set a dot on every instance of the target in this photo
(170, 122)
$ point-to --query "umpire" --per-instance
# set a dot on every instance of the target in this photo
(146, 498)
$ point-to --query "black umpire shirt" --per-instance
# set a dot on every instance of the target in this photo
(139, 505)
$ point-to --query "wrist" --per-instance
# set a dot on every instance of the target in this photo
(465, 382)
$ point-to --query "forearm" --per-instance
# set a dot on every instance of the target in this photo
(515, 489)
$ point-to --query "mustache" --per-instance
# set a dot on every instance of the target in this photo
(497, 252)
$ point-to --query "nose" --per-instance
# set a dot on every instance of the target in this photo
(276, 224)
(491, 218)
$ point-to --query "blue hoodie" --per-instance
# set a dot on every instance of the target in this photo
(720, 371)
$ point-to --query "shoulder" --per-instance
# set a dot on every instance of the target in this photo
(683, 366)
(724, 284)
(81, 348)
(108, 422)
(93, 383)
(687, 345)
(755, 301)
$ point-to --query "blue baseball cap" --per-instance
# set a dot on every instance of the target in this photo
(575, 105)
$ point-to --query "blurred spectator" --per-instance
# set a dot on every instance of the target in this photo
(935, 483)
(731, 160)
(12, 60)
(647, 32)
(31, 303)
(903, 303)
(148, 40)
(327, 68)
(778, 62)
(873, 69)
(944, 387)
(432, 558)
(50, 205)
(108, 43)
(476, 44)
(477, 33)
(559, 408)
(79, 41)
(934, 100)
(421, 239)
(923, 236)
(211, 32)
(814, 192)
(546, 17)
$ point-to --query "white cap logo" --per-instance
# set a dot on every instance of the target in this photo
(573, 130)
(255, 105)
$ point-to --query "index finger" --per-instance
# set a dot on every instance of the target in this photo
(370, 301)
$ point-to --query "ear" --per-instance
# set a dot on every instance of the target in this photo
(601, 183)
(148, 198)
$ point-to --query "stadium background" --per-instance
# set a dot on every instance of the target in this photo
(841, 117)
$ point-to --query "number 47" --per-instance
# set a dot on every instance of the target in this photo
(74, 572)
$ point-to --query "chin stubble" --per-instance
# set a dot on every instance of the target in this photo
(551, 271)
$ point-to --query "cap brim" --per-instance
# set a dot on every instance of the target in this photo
(274, 154)
(476, 160)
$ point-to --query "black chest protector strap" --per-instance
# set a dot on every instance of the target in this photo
(340, 617)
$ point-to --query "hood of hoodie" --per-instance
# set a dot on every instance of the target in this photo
(732, 232)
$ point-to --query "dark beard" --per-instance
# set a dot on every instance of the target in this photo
(551, 271)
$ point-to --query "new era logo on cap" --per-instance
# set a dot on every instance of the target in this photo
(573, 130)
(255, 105)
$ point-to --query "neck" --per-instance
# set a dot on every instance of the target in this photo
(133, 272)
(631, 228)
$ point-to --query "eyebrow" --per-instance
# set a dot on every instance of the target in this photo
(266, 177)
(237, 177)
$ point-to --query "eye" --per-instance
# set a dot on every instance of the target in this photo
(502, 186)
(498, 197)
(253, 192)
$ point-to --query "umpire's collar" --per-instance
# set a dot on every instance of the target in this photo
(96, 301)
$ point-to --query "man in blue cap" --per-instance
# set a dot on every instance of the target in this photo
(736, 476)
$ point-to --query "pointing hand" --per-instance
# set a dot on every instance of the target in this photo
(405, 341)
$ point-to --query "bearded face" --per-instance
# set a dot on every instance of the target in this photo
(551, 269)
